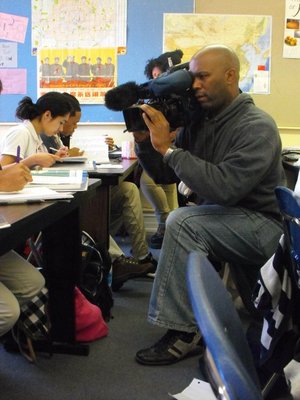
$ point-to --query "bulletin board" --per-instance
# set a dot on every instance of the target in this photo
(144, 41)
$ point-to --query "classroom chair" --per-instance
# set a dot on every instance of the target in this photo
(228, 362)
(289, 206)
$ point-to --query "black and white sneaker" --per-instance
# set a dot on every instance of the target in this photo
(172, 347)
(150, 259)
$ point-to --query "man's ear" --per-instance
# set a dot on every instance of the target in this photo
(231, 75)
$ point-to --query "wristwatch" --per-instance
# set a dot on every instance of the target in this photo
(169, 152)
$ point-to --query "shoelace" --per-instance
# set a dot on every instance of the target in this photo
(130, 260)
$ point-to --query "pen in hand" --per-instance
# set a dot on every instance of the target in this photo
(18, 154)
(53, 149)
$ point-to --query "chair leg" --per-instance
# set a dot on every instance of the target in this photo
(35, 245)
(226, 273)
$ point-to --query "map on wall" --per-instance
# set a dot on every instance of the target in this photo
(248, 35)
(80, 23)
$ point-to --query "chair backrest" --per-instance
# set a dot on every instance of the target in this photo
(228, 360)
(289, 207)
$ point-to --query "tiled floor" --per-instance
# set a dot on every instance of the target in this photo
(292, 370)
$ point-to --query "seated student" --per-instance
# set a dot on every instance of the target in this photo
(124, 197)
(126, 210)
(47, 115)
(19, 280)
(229, 155)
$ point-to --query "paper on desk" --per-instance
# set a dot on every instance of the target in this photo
(196, 390)
(31, 194)
(98, 153)
(110, 166)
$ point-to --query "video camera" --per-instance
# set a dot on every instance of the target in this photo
(169, 93)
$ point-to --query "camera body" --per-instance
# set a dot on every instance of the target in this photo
(170, 93)
(173, 108)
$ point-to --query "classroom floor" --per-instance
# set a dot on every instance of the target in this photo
(110, 371)
(292, 370)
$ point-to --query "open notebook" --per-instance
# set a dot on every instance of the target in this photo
(60, 179)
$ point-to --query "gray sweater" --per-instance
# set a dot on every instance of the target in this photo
(233, 159)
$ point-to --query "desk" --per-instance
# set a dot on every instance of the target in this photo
(95, 213)
(60, 224)
(291, 173)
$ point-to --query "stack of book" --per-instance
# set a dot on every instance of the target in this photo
(48, 184)
(60, 179)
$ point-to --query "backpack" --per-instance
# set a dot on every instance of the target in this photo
(89, 322)
(96, 275)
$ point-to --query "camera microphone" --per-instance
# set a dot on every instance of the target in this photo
(122, 96)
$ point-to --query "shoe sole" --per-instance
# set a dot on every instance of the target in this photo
(151, 275)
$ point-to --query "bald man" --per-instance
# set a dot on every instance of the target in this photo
(228, 160)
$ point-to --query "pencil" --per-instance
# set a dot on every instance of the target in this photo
(18, 154)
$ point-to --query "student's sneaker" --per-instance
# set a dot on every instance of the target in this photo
(172, 347)
(151, 260)
(124, 268)
(156, 240)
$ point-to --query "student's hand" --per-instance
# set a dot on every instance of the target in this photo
(42, 159)
(75, 152)
(110, 142)
(62, 152)
(14, 177)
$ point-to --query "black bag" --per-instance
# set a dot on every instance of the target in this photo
(96, 274)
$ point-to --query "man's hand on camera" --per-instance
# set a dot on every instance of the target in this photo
(159, 128)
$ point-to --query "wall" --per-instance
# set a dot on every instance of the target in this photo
(144, 41)
(283, 102)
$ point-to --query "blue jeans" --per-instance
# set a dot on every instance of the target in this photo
(235, 235)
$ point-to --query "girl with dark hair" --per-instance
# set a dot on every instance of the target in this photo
(63, 138)
(156, 66)
(23, 142)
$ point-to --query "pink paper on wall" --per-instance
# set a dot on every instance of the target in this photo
(13, 27)
(14, 81)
